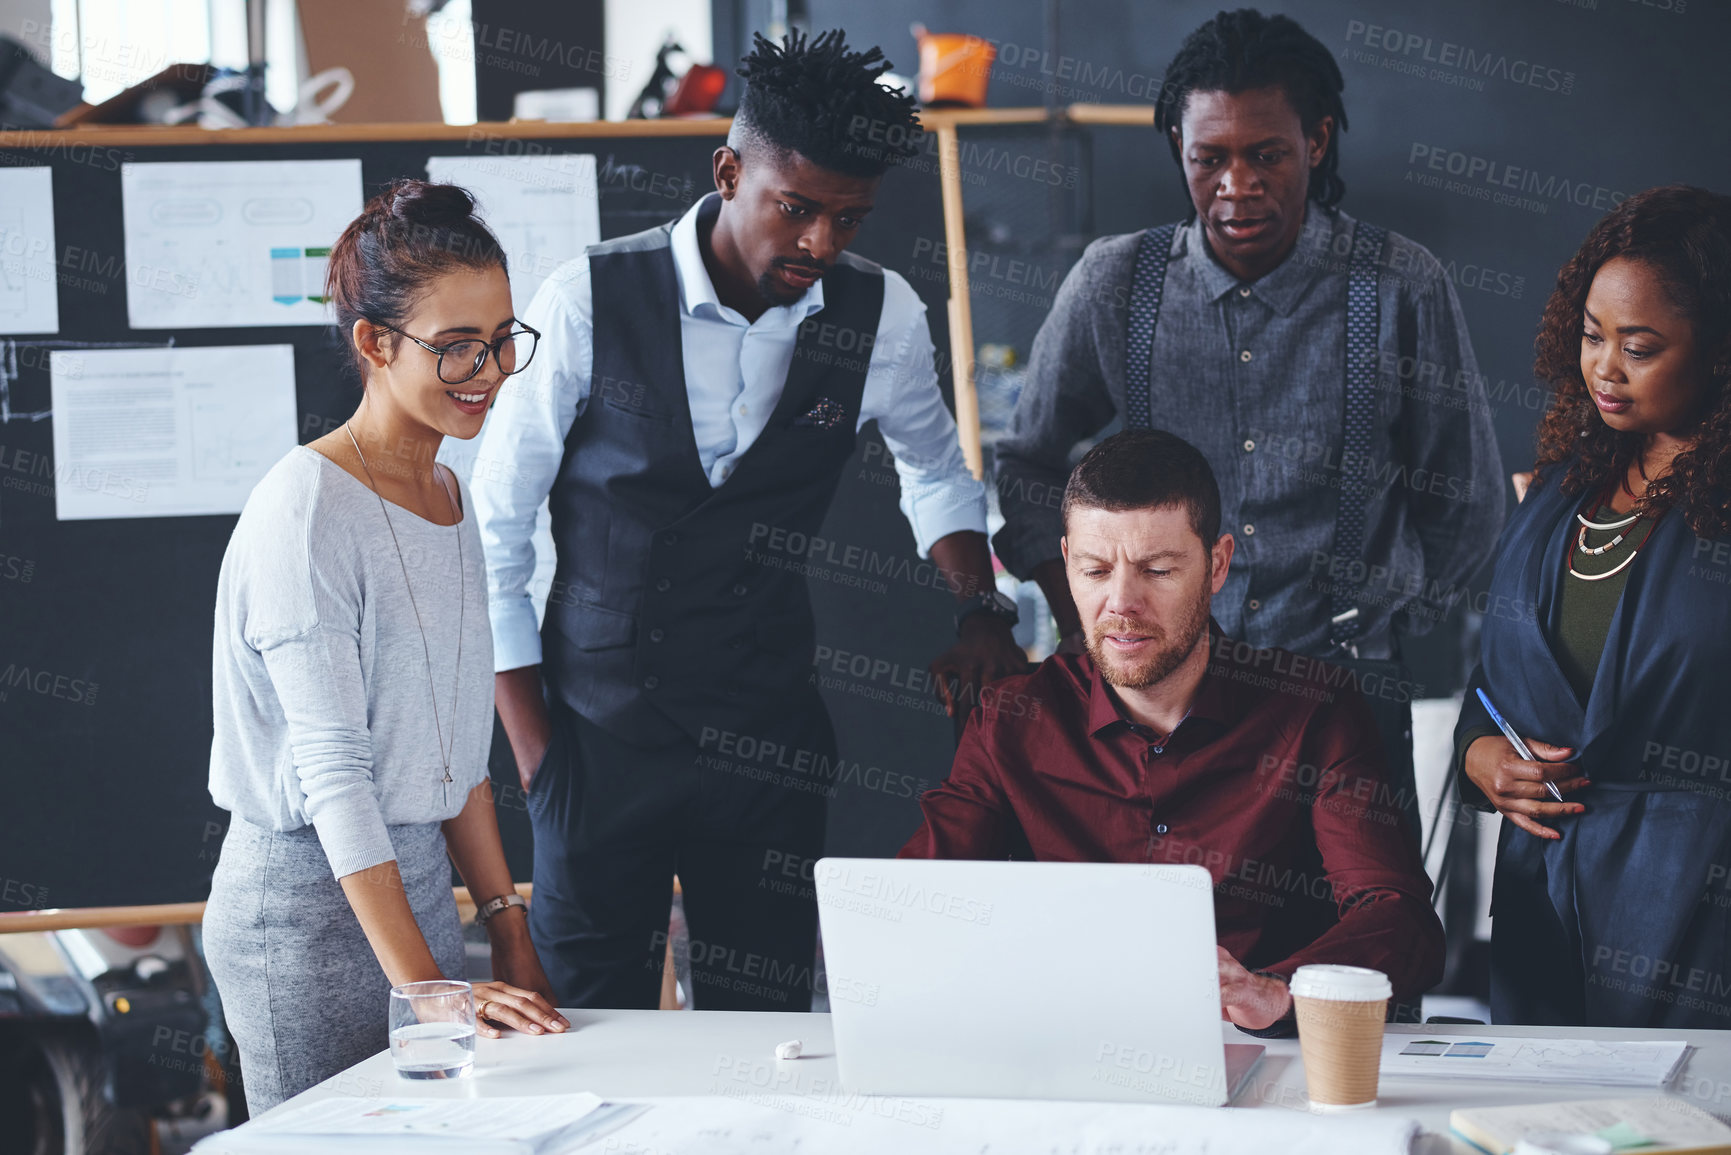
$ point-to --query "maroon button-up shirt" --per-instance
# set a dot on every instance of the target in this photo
(1274, 781)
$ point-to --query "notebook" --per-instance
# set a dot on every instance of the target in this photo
(1656, 1124)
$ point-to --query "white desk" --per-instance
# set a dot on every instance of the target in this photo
(647, 1054)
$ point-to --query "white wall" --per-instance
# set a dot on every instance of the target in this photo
(20, 19)
(635, 30)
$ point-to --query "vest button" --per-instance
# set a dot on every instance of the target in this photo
(656, 635)
(739, 590)
(663, 585)
(669, 539)
(651, 682)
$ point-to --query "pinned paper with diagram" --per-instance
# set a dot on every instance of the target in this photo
(29, 275)
(167, 432)
(240, 242)
(542, 208)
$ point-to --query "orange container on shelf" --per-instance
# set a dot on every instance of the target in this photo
(954, 68)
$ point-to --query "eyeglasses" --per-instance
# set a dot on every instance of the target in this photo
(461, 360)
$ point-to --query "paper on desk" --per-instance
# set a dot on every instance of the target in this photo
(233, 242)
(542, 208)
(542, 1124)
(841, 1123)
(167, 432)
(1610, 1064)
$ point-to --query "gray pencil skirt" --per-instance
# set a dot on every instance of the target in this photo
(301, 989)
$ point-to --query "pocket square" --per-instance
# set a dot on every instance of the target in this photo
(826, 414)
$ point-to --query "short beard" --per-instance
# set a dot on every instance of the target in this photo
(1158, 666)
(776, 292)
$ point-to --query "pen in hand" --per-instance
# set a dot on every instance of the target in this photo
(1521, 747)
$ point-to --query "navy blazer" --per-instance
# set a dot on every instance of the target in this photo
(1625, 921)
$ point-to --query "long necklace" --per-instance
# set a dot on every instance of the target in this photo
(1581, 545)
(463, 598)
(1596, 550)
(1612, 572)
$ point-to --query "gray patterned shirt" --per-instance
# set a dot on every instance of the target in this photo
(1253, 375)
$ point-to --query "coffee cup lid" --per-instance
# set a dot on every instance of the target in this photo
(1340, 984)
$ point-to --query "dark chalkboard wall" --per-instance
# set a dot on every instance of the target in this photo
(104, 785)
(105, 626)
(1572, 102)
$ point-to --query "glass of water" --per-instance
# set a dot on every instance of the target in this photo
(433, 1029)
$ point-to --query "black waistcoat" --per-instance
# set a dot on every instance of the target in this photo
(679, 606)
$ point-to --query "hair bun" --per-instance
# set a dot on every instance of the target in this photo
(428, 205)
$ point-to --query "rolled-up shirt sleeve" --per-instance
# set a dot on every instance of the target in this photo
(940, 495)
(520, 451)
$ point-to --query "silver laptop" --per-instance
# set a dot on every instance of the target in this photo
(1026, 980)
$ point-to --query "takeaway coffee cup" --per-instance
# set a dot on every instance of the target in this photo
(1340, 1014)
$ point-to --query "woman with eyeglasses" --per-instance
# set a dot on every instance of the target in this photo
(353, 676)
(1607, 637)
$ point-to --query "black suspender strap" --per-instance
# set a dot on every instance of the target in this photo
(1345, 620)
(1147, 282)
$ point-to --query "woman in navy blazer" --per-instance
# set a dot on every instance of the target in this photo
(1607, 642)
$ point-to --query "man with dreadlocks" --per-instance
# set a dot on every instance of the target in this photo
(1320, 363)
(698, 397)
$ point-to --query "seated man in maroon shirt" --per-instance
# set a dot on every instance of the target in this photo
(1171, 743)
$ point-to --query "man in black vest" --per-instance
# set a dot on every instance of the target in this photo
(697, 398)
(1320, 363)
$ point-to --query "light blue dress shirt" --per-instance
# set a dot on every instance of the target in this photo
(734, 373)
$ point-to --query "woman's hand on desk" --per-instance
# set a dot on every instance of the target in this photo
(521, 997)
(1250, 1000)
(514, 1007)
(1516, 787)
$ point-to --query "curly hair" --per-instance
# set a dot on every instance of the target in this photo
(1244, 50)
(1683, 234)
(823, 101)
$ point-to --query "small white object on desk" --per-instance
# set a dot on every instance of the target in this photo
(789, 1049)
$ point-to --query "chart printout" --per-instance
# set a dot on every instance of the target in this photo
(542, 209)
(233, 243)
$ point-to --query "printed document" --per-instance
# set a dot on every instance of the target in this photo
(167, 432)
(1610, 1064)
(29, 262)
(538, 1125)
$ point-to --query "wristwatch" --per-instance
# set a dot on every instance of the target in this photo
(494, 905)
(991, 602)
